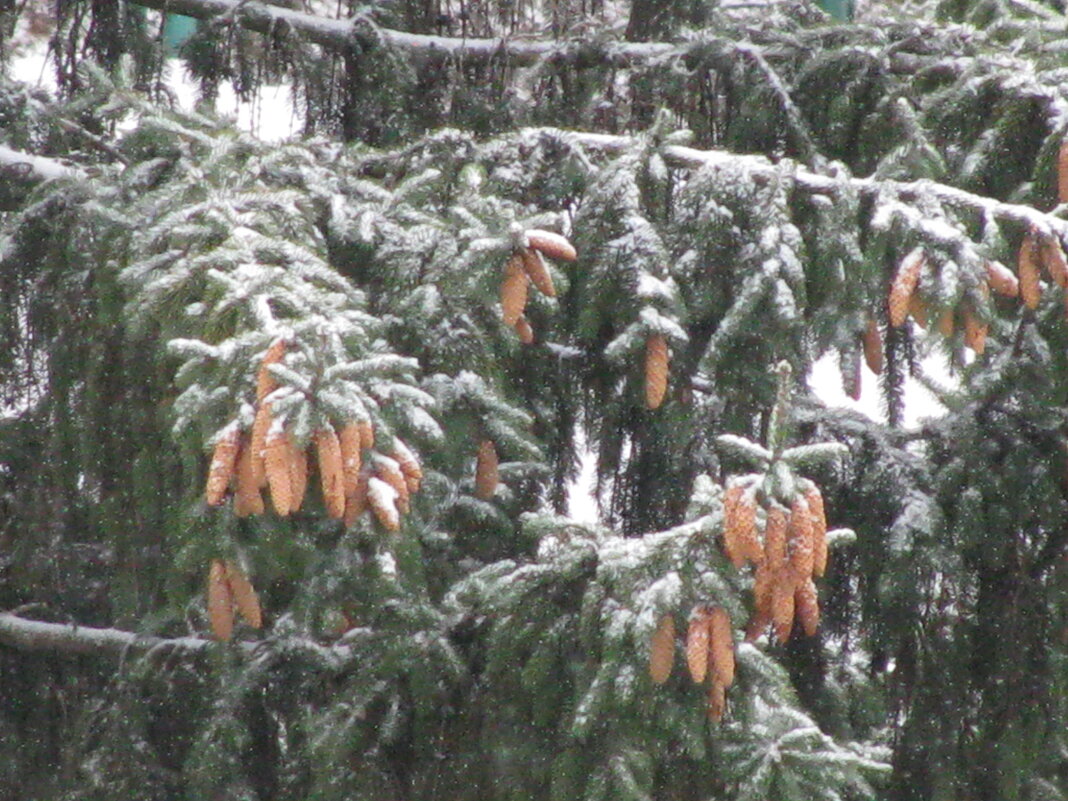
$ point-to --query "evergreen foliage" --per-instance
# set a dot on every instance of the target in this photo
(754, 189)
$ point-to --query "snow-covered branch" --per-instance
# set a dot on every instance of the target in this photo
(35, 168)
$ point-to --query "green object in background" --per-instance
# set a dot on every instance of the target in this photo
(176, 31)
(841, 10)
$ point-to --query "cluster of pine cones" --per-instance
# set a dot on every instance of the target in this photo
(353, 476)
(709, 653)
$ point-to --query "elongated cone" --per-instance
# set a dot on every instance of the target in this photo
(1052, 255)
(1001, 279)
(409, 465)
(538, 272)
(389, 471)
(382, 499)
(331, 471)
(904, 284)
(974, 331)
(697, 640)
(1027, 269)
(819, 530)
(799, 537)
(807, 606)
(662, 650)
(873, 346)
(551, 244)
(717, 701)
(245, 598)
(775, 537)
(298, 474)
(220, 602)
(732, 546)
(918, 310)
(763, 583)
(524, 331)
(782, 604)
(351, 460)
(247, 498)
(1062, 172)
(486, 475)
(656, 370)
(513, 290)
(277, 455)
(721, 646)
(367, 434)
(265, 382)
(260, 426)
(223, 462)
(356, 501)
(946, 323)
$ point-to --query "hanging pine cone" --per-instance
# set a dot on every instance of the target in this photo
(524, 331)
(1027, 269)
(1052, 255)
(807, 605)
(946, 323)
(247, 498)
(1062, 172)
(763, 584)
(265, 381)
(331, 471)
(260, 426)
(382, 499)
(721, 646)
(782, 605)
(220, 602)
(298, 474)
(486, 474)
(1001, 279)
(277, 458)
(799, 537)
(717, 701)
(356, 501)
(740, 542)
(389, 471)
(656, 370)
(873, 346)
(697, 641)
(513, 290)
(551, 244)
(819, 530)
(775, 537)
(974, 331)
(244, 596)
(662, 650)
(351, 459)
(537, 271)
(223, 461)
(409, 465)
(904, 285)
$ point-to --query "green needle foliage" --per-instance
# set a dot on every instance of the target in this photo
(744, 183)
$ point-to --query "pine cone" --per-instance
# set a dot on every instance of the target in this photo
(277, 455)
(409, 465)
(298, 474)
(331, 471)
(775, 537)
(819, 530)
(732, 546)
(721, 647)
(905, 282)
(513, 290)
(974, 331)
(1001, 279)
(367, 434)
(697, 641)
(807, 605)
(265, 382)
(1052, 256)
(945, 323)
(763, 582)
(551, 244)
(799, 536)
(524, 331)
(1027, 269)
(260, 426)
(486, 475)
(243, 595)
(717, 701)
(918, 310)
(356, 501)
(351, 459)
(656, 370)
(662, 650)
(247, 498)
(873, 346)
(220, 602)
(389, 471)
(537, 271)
(223, 461)
(782, 604)
(381, 497)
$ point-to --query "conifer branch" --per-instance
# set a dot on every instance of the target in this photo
(34, 168)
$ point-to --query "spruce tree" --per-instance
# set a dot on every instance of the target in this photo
(289, 430)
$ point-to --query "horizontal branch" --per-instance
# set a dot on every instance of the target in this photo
(68, 639)
(34, 168)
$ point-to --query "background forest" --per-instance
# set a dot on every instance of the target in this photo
(288, 430)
